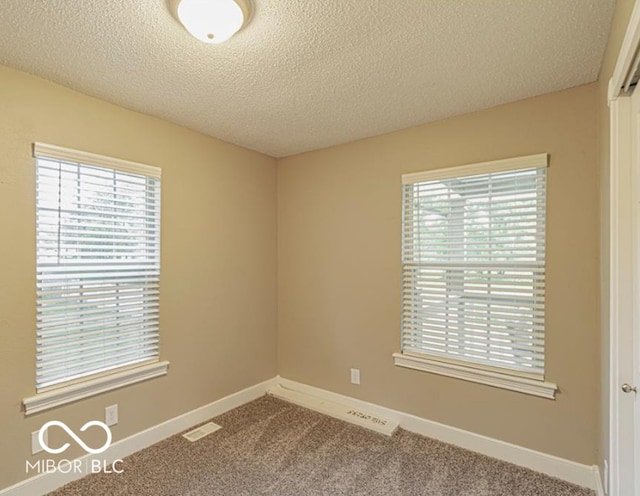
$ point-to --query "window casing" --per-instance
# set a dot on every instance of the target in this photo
(473, 267)
(98, 265)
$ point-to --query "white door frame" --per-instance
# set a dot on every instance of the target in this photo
(621, 288)
(622, 266)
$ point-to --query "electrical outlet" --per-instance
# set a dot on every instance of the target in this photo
(111, 415)
(36, 447)
(355, 376)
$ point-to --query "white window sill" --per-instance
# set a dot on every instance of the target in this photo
(66, 394)
(478, 375)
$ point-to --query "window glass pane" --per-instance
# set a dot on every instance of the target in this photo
(98, 269)
(473, 269)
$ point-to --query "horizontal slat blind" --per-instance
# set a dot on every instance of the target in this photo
(474, 269)
(98, 266)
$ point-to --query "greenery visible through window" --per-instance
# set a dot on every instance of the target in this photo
(474, 269)
(98, 269)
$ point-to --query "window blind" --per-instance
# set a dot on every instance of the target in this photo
(98, 264)
(473, 270)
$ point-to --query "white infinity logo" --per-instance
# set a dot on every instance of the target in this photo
(64, 447)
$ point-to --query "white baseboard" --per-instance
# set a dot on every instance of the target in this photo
(576, 473)
(599, 488)
(358, 416)
(47, 482)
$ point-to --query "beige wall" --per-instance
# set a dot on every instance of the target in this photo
(339, 214)
(218, 304)
(338, 241)
(621, 18)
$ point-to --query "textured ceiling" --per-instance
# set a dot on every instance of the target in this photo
(310, 74)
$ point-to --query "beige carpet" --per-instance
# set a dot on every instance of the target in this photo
(270, 447)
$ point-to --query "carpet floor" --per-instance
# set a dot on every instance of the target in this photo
(270, 447)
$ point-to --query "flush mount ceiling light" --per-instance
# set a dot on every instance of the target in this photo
(213, 21)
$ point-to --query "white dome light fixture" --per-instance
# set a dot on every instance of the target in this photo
(213, 21)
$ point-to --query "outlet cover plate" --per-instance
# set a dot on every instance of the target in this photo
(355, 376)
(111, 415)
(35, 442)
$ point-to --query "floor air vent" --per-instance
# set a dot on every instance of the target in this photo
(201, 431)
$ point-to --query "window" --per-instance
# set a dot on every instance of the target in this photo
(473, 273)
(98, 265)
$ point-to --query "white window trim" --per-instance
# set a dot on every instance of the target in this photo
(478, 375)
(126, 375)
(85, 389)
(81, 157)
(467, 371)
(509, 164)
